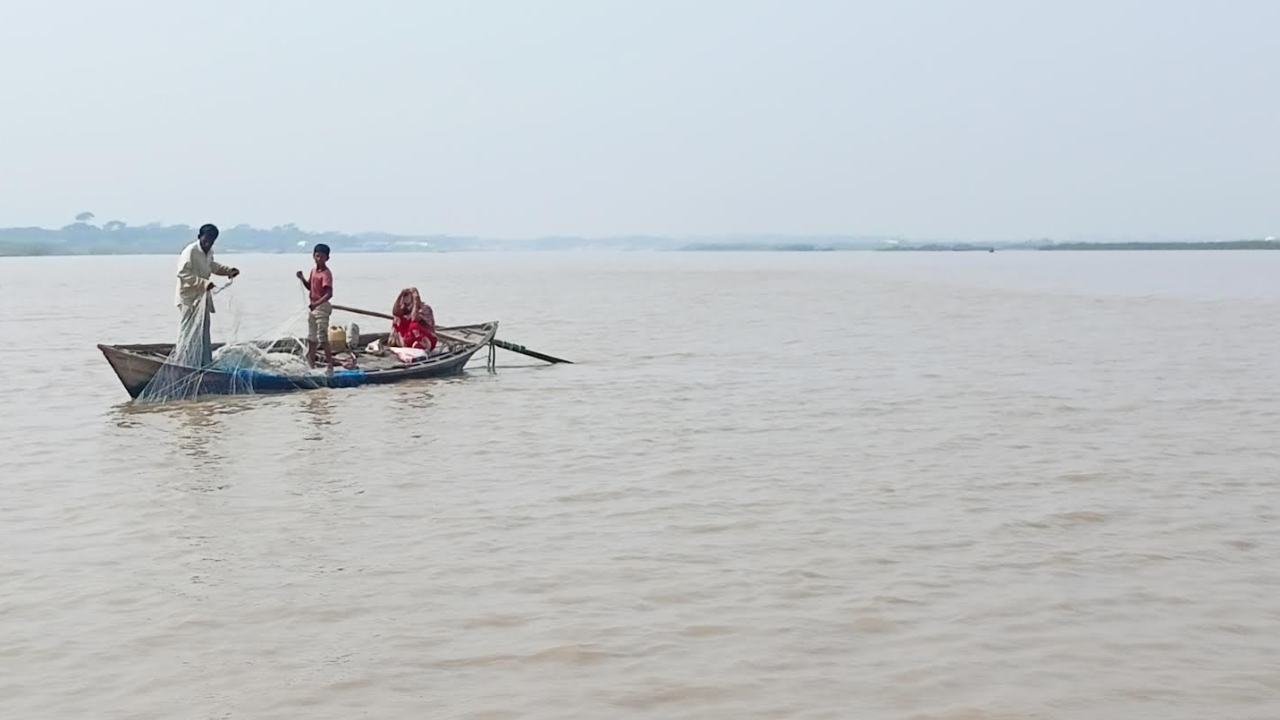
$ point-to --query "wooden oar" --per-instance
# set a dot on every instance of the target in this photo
(392, 318)
(499, 343)
(358, 311)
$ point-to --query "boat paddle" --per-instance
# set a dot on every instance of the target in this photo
(498, 343)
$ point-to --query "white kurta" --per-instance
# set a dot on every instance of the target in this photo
(194, 268)
(194, 305)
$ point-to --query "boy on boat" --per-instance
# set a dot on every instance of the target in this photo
(320, 286)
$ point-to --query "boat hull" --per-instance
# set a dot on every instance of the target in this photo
(137, 365)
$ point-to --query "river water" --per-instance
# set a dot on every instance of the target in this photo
(863, 485)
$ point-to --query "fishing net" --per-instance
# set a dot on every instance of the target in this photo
(192, 369)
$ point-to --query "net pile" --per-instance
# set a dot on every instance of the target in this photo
(237, 368)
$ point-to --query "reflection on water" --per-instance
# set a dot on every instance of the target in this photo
(129, 412)
(197, 432)
(193, 429)
(317, 408)
(416, 395)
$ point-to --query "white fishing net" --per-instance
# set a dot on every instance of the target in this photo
(241, 367)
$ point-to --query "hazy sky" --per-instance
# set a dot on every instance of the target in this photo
(975, 119)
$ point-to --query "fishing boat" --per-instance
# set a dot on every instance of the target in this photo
(136, 365)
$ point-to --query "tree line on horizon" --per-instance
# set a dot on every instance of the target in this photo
(116, 237)
(82, 237)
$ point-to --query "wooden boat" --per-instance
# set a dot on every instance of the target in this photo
(136, 365)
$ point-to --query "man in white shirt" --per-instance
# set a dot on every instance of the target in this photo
(194, 298)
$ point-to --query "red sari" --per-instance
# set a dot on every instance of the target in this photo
(414, 321)
(414, 334)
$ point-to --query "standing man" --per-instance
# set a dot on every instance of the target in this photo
(194, 297)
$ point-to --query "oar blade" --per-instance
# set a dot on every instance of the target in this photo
(512, 347)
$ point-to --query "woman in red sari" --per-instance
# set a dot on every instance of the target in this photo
(414, 324)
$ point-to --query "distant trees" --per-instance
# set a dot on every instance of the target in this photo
(116, 237)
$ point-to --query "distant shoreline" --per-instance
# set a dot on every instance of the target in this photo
(1093, 247)
(1225, 245)
(116, 238)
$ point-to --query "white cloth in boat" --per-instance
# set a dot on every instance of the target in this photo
(408, 355)
(194, 268)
